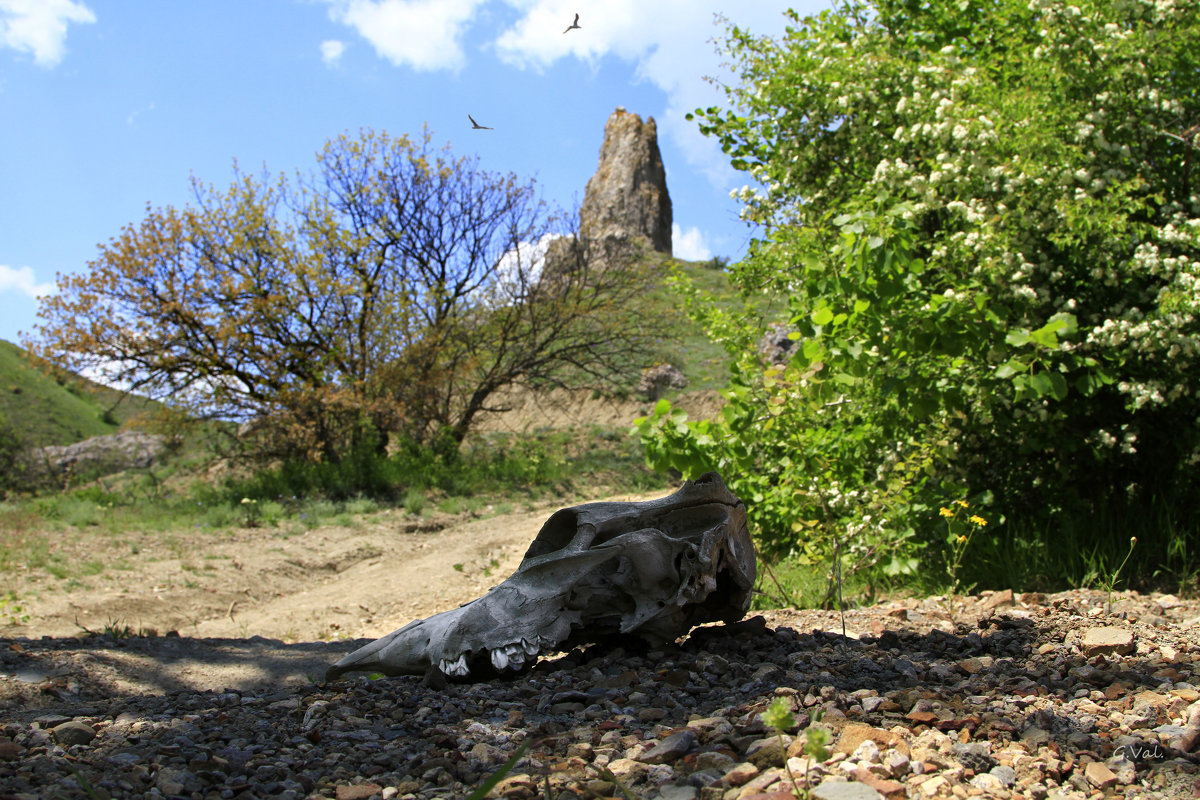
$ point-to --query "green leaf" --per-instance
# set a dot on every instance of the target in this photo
(1010, 368)
(1041, 384)
(1058, 384)
(1018, 337)
(822, 316)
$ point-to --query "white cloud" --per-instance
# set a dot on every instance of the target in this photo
(331, 52)
(689, 245)
(422, 34)
(517, 271)
(671, 41)
(22, 279)
(40, 27)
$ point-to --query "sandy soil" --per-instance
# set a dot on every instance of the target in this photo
(327, 583)
(262, 606)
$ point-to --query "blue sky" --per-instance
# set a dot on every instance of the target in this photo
(109, 105)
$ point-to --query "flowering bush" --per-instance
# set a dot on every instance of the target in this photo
(982, 222)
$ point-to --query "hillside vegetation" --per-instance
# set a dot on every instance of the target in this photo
(43, 405)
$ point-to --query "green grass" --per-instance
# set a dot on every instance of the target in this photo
(55, 407)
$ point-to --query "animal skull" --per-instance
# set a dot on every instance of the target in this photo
(653, 569)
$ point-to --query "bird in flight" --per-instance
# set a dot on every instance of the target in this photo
(573, 25)
(476, 126)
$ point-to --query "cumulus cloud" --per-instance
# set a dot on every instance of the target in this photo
(331, 52)
(422, 34)
(22, 279)
(670, 41)
(689, 245)
(39, 27)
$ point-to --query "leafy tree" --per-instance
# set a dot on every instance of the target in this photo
(982, 225)
(394, 289)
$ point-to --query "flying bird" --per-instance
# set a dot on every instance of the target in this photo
(476, 126)
(573, 25)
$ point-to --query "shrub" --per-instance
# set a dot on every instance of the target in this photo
(984, 229)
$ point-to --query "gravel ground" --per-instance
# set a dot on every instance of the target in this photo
(1034, 697)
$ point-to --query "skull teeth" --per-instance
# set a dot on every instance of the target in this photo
(457, 668)
(516, 654)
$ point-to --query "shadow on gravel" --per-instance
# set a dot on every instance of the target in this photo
(52, 672)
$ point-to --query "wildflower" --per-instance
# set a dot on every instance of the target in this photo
(779, 715)
(978, 520)
(962, 503)
(945, 512)
(246, 500)
(962, 538)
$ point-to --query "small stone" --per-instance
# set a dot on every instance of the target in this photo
(760, 783)
(10, 750)
(73, 733)
(358, 791)
(625, 767)
(598, 788)
(678, 793)
(767, 752)
(893, 790)
(1005, 774)
(176, 781)
(741, 774)
(841, 790)
(932, 787)
(867, 752)
(1034, 737)
(1107, 640)
(856, 733)
(672, 748)
(1099, 775)
(715, 760)
(897, 763)
(999, 599)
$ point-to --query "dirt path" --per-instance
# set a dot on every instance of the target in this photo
(261, 606)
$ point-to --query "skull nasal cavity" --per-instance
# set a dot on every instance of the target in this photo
(556, 534)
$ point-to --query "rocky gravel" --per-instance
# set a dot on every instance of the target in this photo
(1039, 697)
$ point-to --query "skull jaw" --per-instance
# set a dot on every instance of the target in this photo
(651, 569)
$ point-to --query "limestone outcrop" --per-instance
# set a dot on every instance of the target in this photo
(99, 455)
(626, 199)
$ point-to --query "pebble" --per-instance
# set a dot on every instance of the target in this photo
(1039, 697)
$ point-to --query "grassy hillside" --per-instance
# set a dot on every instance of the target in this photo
(44, 407)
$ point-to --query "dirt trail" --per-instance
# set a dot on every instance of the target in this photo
(331, 582)
(262, 606)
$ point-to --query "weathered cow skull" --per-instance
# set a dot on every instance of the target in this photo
(652, 569)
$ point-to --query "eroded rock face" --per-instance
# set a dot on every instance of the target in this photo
(627, 199)
(658, 379)
(653, 569)
(100, 454)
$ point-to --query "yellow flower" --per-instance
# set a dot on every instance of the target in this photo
(962, 503)
(962, 538)
(945, 512)
(978, 520)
